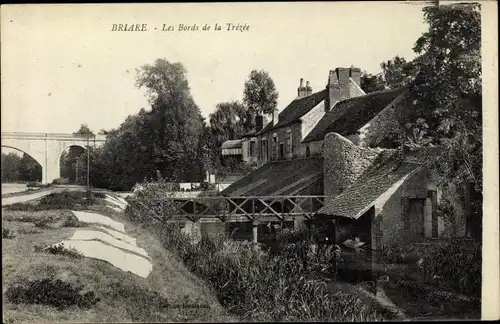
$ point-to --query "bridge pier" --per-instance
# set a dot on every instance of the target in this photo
(193, 230)
(298, 222)
(255, 232)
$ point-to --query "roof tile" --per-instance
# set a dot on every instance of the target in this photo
(349, 115)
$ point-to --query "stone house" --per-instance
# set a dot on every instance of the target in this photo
(383, 196)
(337, 143)
(343, 107)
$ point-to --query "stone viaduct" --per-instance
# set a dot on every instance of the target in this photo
(46, 148)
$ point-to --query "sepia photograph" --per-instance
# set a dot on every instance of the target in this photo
(250, 162)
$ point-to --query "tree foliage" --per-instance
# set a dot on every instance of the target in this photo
(371, 83)
(176, 124)
(259, 94)
(17, 168)
(167, 139)
(84, 130)
(229, 121)
(447, 90)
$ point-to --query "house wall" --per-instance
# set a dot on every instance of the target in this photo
(245, 148)
(298, 149)
(344, 162)
(379, 126)
(389, 228)
(309, 120)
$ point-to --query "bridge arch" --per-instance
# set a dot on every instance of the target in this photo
(47, 148)
(67, 162)
(32, 177)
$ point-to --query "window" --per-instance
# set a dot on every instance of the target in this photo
(308, 152)
(282, 151)
(274, 146)
(288, 142)
(263, 150)
(252, 148)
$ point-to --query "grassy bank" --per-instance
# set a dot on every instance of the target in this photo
(279, 286)
(59, 285)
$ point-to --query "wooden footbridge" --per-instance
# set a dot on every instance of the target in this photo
(220, 209)
(236, 209)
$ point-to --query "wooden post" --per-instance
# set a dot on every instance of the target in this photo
(254, 232)
(435, 232)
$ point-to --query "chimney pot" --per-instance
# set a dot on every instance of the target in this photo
(301, 82)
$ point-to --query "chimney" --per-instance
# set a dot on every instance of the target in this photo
(301, 90)
(309, 90)
(259, 122)
(355, 74)
(339, 84)
(275, 117)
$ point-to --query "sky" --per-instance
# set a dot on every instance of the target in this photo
(63, 66)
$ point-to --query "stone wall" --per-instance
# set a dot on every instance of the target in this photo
(344, 162)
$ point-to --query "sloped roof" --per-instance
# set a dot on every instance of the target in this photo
(349, 115)
(362, 195)
(380, 180)
(299, 107)
(232, 144)
(355, 89)
(278, 178)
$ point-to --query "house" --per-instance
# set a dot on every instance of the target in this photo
(383, 196)
(342, 106)
(337, 143)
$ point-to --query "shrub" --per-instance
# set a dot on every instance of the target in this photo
(50, 291)
(61, 181)
(258, 286)
(455, 264)
(73, 221)
(29, 231)
(97, 194)
(58, 200)
(60, 249)
(7, 234)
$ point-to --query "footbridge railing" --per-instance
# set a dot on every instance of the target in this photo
(234, 209)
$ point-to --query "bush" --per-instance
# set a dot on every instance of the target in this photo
(459, 263)
(455, 264)
(61, 181)
(259, 286)
(58, 200)
(60, 249)
(7, 234)
(50, 291)
(73, 221)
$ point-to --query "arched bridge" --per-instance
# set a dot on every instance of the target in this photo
(46, 148)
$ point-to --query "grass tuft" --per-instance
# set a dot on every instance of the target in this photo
(50, 291)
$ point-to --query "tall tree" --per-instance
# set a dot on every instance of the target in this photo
(229, 121)
(397, 72)
(259, 94)
(447, 91)
(84, 130)
(176, 121)
(371, 83)
(30, 169)
(11, 167)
